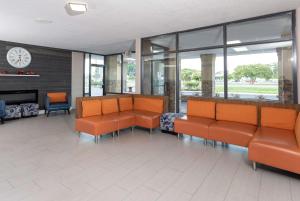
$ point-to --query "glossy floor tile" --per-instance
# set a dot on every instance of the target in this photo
(43, 159)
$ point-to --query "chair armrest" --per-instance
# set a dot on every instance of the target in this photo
(2, 108)
(69, 100)
(47, 102)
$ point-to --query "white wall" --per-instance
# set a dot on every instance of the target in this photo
(138, 53)
(77, 76)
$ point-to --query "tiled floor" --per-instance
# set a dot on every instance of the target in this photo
(42, 159)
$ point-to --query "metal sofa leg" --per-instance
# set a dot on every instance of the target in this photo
(214, 143)
(48, 113)
(254, 165)
(2, 120)
(118, 133)
(68, 111)
(150, 131)
(205, 141)
(132, 129)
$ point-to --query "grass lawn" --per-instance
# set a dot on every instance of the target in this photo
(257, 89)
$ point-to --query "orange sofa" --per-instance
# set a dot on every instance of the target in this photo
(277, 142)
(236, 123)
(200, 115)
(101, 115)
(271, 132)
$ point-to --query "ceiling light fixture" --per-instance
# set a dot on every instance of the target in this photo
(78, 6)
(233, 42)
(240, 49)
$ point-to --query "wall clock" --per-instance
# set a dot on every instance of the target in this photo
(18, 57)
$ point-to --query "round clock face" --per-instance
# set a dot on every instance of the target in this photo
(18, 57)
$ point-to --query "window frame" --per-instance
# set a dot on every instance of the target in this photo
(225, 46)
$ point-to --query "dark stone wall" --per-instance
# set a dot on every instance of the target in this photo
(53, 65)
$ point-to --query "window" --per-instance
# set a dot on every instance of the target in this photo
(129, 69)
(261, 71)
(201, 38)
(159, 76)
(113, 73)
(271, 28)
(201, 74)
(159, 44)
(93, 75)
(254, 63)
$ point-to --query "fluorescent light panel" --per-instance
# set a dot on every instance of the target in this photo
(233, 42)
(78, 7)
(240, 49)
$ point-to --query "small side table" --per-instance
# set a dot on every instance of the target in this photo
(167, 122)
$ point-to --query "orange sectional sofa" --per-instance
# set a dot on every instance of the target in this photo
(101, 115)
(269, 131)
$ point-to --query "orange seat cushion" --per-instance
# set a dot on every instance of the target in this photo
(91, 108)
(149, 104)
(147, 119)
(126, 119)
(195, 126)
(125, 104)
(297, 129)
(110, 106)
(205, 109)
(278, 118)
(97, 125)
(232, 132)
(237, 113)
(275, 147)
(57, 97)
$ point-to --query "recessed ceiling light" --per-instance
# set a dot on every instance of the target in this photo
(233, 42)
(240, 49)
(78, 6)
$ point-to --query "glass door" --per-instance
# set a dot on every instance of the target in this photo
(97, 80)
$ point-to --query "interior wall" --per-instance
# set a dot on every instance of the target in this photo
(53, 66)
(77, 76)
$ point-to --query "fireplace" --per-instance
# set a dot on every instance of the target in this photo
(19, 96)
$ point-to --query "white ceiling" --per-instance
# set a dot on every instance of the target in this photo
(110, 25)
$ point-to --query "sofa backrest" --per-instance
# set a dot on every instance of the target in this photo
(297, 129)
(125, 104)
(91, 108)
(240, 113)
(199, 108)
(110, 106)
(278, 118)
(149, 104)
(57, 97)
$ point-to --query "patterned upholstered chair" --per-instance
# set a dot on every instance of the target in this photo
(57, 101)
(2, 111)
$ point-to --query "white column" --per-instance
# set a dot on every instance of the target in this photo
(298, 49)
(77, 76)
(138, 53)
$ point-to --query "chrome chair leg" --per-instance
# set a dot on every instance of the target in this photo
(254, 165)
(214, 143)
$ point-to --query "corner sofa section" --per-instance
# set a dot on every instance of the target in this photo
(270, 132)
(101, 115)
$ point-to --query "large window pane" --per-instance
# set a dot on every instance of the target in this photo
(129, 69)
(97, 80)
(159, 44)
(159, 75)
(201, 38)
(97, 59)
(113, 73)
(277, 27)
(261, 71)
(201, 74)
